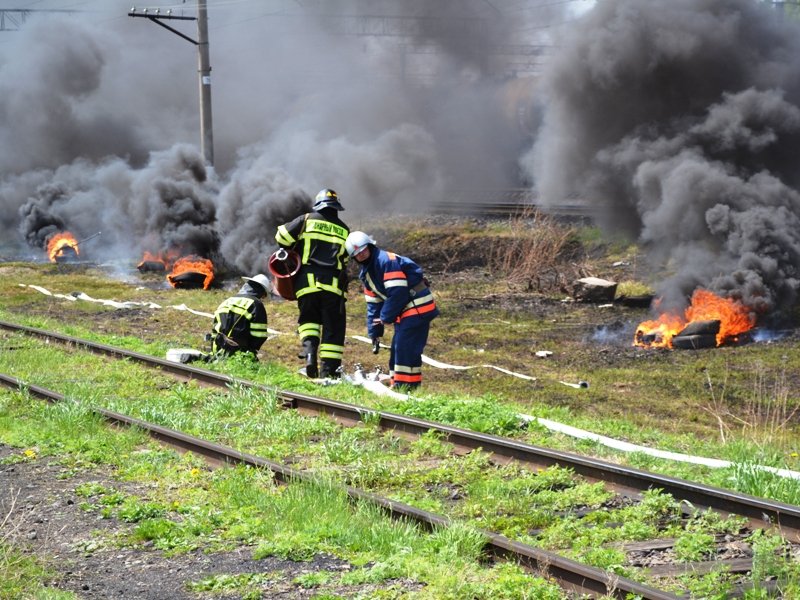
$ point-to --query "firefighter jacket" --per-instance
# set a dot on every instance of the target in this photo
(243, 319)
(395, 290)
(319, 240)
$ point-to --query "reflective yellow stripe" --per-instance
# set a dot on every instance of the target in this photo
(284, 237)
(258, 330)
(325, 228)
(314, 286)
(238, 306)
(308, 290)
(334, 287)
(309, 329)
(321, 236)
(331, 351)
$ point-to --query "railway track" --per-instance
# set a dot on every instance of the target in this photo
(574, 576)
(509, 202)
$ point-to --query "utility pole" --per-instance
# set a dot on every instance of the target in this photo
(779, 9)
(204, 68)
(206, 132)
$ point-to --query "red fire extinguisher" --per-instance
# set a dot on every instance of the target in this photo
(284, 265)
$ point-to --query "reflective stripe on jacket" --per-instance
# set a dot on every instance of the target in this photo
(320, 243)
(389, 280)
(242, 318)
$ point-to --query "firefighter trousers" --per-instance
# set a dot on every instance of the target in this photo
(322, 326)
(408, 342)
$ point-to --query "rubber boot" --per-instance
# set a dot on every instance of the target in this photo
(310, 348)
(330, 368)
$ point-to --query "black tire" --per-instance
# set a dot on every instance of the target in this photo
(701, 328)
(694, 342)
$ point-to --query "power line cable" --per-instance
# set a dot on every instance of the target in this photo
(544, 26)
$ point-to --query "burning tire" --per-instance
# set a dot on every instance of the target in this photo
(694, 342)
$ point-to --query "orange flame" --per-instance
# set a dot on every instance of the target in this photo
(57, 245)
(733, 316)
(167, 257)
(193, 264)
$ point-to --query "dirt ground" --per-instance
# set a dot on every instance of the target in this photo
(45, 519)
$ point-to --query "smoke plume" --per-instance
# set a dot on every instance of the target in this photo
(99, 118)
(682, 121)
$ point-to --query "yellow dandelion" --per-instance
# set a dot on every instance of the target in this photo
(195, 472)
(124, 456)
(30, 453)
(794, 454)
(540, 470)
(175, 503)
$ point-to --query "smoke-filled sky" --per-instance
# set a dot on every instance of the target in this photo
(682, 118)
(99, 117)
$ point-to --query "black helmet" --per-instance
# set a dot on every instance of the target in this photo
(327, 199)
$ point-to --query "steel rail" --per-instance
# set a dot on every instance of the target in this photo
(514, 208)
(572, 576)
(761, 512)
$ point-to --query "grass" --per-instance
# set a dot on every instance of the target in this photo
(194, 508)
(507, 498)
(735, 403)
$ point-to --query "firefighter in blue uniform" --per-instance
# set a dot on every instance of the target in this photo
(396, 293)
(321, 285)
(240, 323)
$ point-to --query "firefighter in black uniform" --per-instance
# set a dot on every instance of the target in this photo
(321, 283)
(240, 323)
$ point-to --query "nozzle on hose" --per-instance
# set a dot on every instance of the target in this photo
(376, 345)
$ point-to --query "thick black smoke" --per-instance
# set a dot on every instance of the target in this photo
(40, 219)
(682, 119)
(104, 108)
(167, 204)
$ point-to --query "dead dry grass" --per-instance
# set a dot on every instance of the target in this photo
(766, 416)
(540, 254)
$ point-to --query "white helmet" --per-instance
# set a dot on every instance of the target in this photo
(261, 280)
(356, 242)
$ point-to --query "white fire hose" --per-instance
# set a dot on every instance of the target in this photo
(376, 387)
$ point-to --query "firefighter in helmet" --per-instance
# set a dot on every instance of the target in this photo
(240, 323)
(396, 293)
(321, 285)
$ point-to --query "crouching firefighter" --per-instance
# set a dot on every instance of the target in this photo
(397, 293)
(321, 285)
(240, 323)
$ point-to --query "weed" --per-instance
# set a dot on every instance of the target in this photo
(716, 585)
(89, 489)
(134, 511)
(768, 559)
(750, 478)
(431, 444)
(151, 529)
(226, 582)
(487, 414)
(310, 580)
(693, 546)
(370, 418)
